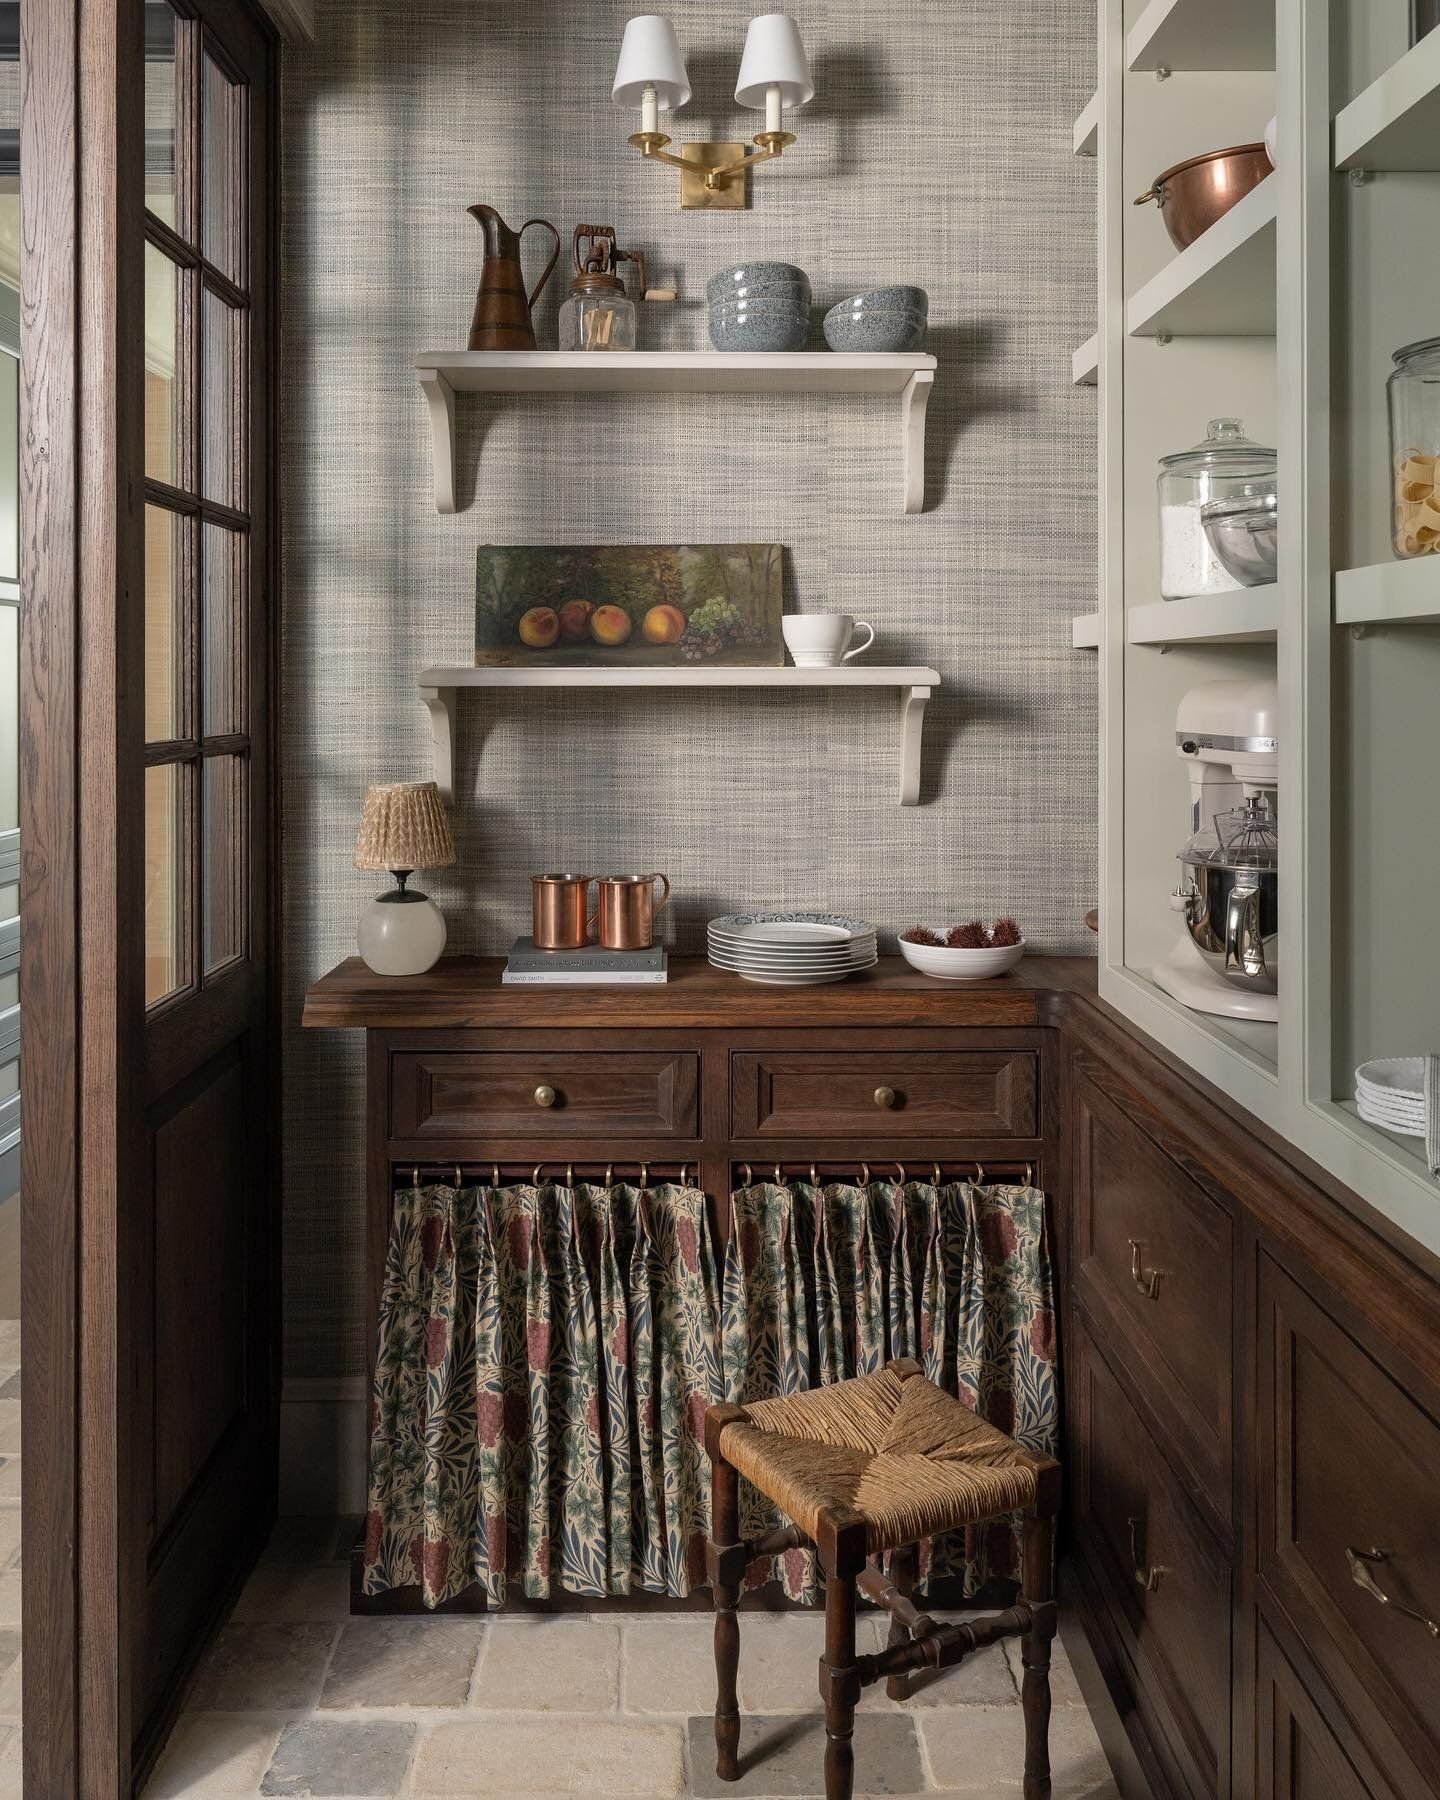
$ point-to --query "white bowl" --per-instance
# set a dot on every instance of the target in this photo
(961, 965)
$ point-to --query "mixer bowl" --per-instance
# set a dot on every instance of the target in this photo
(1233, 918)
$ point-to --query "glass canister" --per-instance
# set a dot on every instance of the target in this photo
(599, 315)
(1226, 465)
(1413, 391)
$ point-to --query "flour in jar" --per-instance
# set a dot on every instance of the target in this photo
(1187, 563)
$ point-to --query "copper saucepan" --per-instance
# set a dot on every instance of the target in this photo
(1194, 194)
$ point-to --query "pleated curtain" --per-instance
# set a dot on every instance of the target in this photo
(547, 1353)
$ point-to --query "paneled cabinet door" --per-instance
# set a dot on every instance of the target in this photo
(1297, 1755)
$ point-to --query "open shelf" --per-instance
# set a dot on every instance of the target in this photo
(1203, 34)
(438, 689)
(1085, 632)
(445, 373)
(1395, 123)
(1085, 363)
(1087, 128)
(1223, 285)
(1246, 616)
(1393, 593)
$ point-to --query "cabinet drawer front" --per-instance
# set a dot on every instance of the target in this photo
(1153, 1260)
(493, 1093)
(1350, 1461)
(1133, 1524)
(885, 1094)
(1298, 1755)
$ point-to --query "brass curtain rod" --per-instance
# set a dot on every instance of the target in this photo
(938, 1171)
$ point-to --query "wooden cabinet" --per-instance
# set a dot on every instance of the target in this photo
(1298, 1753)
(894, 1093)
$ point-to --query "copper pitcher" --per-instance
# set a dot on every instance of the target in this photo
(558, 908)
(502, 307)
(628, 909)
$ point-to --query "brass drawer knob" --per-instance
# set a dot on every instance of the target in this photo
(544, 1096)
(885, 1098)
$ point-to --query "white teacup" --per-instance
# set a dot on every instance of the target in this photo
(821, 640)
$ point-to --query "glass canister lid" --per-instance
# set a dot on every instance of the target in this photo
(1423, 351)
(1226, 450)
(1243, 839)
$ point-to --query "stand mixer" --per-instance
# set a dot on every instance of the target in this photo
(1225, 962)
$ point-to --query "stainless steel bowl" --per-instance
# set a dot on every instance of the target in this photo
(1231, 898)
(1243, 534)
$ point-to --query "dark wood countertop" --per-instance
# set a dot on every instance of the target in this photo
(465, 991)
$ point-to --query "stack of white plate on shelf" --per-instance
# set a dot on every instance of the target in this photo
(792, 949)
(1390, 1093)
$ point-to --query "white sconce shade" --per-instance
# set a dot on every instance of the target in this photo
(774, 57)
(650, 58)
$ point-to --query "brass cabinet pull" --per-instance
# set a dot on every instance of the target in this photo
(885, 1097)
(1149, 1285)
(1359, 1561)
(544, 1096)
(1148, 1575)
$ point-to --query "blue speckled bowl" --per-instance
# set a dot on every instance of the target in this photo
(886, 319)
(759, 325)
(759, 280)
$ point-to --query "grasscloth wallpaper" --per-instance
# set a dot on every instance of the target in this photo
(937, 151)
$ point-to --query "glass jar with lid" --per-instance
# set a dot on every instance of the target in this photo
(1413, 391)
(1227, 465)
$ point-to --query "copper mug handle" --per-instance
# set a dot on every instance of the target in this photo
(664, 899)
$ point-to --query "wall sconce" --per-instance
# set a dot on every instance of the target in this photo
(774, 75)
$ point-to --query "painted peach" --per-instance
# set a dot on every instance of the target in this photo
(609, 625)
(663, 625)
(575, 620)
(539, 627)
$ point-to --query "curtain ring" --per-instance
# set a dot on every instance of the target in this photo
(535, 1174)
(979, 1173)
(644, 1174)
(779, 1178)
(937, 1174)
(813, 1181)
(494, 1175)
(901, 1167)
(569, 1174)
(414, 1176)
(1027, 1174)
(457, 1178)
(864, 1174)
(749, 1175)
(609, 1174)
(684, 1174)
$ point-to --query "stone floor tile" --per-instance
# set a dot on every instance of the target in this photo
(1064, 1688)
(11, 1774)
(263, 1668)
(10, 1426)
(10, 1478)
(10, 1343)
(667, 1666)
(10, 1600)
(981, 1750)
(9, 1384)
(403, 1662)
(511, 1756)
(293, 1593)
(542, 1664)
(780, 1661)
(10, 1688)
(211, 1755)
(785, 1756)
(10, 1538)
(362, 1759)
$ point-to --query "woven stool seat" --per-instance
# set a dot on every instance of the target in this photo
(904, 1455)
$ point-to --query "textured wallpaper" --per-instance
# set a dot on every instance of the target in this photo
(937, 151)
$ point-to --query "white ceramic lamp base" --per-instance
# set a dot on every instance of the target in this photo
(401, 933)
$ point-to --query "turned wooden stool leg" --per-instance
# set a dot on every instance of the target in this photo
(1038, 1589)
(902, 1573)
(724, 1536)
(839, 1686)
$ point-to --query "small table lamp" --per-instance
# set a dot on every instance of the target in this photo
(403, 827)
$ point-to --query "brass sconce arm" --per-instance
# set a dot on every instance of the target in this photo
(771, 143)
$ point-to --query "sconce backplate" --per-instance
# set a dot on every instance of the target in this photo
(730, 196)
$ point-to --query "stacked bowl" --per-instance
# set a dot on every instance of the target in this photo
(759, 306)
(1390, 1093)
(885, 319)
(791, 949)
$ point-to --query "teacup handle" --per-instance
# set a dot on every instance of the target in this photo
(664, 899)
(860, 625)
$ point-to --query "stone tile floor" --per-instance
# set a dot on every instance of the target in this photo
(298, 1698)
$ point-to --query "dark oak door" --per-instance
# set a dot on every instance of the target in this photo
(148, 1131)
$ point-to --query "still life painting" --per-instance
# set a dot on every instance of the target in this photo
(640, 606)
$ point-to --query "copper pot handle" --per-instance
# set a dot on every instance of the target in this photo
(1152, 193)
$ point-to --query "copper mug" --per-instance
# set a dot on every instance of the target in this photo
(558, 905)
(628, 908)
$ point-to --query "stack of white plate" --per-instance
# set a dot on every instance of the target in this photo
(792, 949)
(1390, 1093)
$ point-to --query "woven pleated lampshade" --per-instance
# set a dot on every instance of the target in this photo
(403, 826)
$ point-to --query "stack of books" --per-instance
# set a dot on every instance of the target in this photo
(593, 966)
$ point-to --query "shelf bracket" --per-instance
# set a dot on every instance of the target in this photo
(440, 398)
(440, 704)
(913, 402)
(912, 721)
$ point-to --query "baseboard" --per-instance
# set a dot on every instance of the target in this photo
(323, 1445)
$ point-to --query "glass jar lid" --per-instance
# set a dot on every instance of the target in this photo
(1243, 839)
(1227, 449)
(1423, 350)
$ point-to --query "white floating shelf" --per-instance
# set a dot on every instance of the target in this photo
(438, 688)
(1223, 285)
(1085, 363)
(445, 373)
(1196, 35)
(1085, 632)
(1087, 128)
(1393, 593)
(1395, 123)
(1246, 616)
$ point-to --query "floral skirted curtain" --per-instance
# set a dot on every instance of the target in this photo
(547, 1354)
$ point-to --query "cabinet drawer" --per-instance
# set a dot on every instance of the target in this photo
(884, 1094)
(1159, 1569)
(1298, 1754)
(500, 1093)
(1153, 1264)
(1349, 1461)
